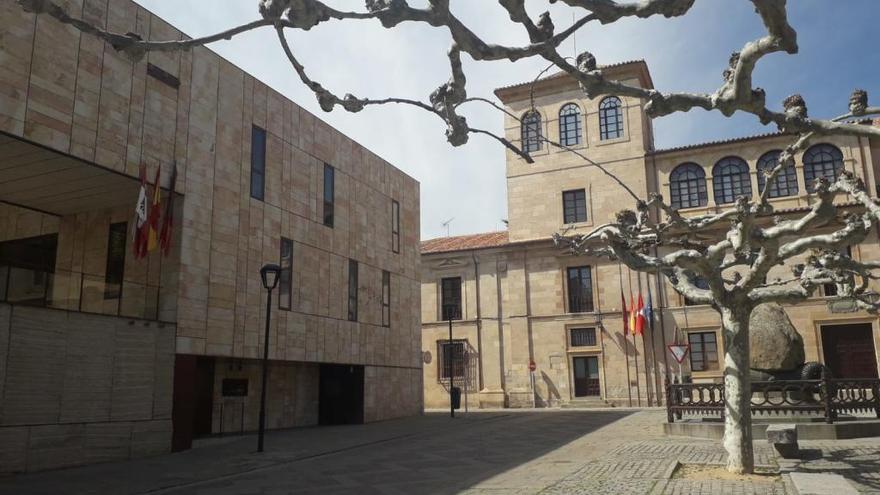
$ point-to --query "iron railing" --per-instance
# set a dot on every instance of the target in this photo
(826, 398)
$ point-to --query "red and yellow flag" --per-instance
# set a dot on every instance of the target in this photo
(155, 211)
(632, 314)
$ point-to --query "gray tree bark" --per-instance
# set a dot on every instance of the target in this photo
(737, 389)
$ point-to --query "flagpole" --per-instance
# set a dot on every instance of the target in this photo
(653, 342)
(644, 347)
(632, 331)
(625, 316)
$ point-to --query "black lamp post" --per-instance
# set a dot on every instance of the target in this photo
(270, 274)
(449, 309)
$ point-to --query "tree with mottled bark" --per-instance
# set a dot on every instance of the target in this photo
(733, 250)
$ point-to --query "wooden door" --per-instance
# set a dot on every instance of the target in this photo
(849, 350)
(586, 376)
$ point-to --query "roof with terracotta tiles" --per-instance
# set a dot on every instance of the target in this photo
(462, 242)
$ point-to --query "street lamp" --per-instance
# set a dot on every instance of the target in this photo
(270, 273)
(450, 314)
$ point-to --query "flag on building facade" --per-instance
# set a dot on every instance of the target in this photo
(139, 243)
(624, 313)
(155, 212)
(632, 314)
(640, 316)
(168, 219)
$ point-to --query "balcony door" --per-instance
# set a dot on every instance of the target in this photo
(586, 376)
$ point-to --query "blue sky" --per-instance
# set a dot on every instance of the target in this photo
(838, 52)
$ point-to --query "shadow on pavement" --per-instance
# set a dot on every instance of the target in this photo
(427, 454)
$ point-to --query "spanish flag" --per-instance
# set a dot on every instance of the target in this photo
(632, 314)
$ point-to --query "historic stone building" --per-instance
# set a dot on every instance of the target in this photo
(516, 299)
(104, 356)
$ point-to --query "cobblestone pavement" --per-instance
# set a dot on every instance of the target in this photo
(486, 453)
(856, 460)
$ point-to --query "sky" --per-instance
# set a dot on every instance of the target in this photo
(838, 43)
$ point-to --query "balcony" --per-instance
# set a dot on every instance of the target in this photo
(81, 292)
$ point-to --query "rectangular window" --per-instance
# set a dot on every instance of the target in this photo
(352, 290)
(704, 351)
(583, 337)
(580, 290)
(285, 278)
(574, 206)
(830, 290)
(115, 269)
(451, 360)
(329, 194)
(395, 226)
(386, 298)
(258, 163)
(450, 298)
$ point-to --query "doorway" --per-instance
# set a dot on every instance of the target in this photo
(849, 350)
(341, 394)
(193, 406)
(586, 376)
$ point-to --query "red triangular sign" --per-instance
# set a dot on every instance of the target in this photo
(679, 351)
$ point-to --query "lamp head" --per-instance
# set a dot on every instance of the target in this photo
(270, 273)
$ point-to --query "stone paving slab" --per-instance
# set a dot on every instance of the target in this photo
(507, 452)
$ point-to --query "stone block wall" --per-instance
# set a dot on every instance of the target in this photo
(291, 396)
(80, 388)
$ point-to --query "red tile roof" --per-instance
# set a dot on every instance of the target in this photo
(463, 242)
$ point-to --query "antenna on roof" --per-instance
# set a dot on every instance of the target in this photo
(574, 37)
(446, 224)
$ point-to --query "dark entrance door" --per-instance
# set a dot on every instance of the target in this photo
(193, 399)
(849, 350)
(341, 398)
(586, 376)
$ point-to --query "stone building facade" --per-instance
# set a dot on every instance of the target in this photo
(519, 300)
(104, 356)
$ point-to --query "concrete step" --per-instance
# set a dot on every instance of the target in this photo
(585, 404)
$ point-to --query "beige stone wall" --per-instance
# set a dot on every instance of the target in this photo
(291, 396)
(81, 388)
(520, 311)
(391, 392)
(555, 170)
(149, 287)
(76, 95)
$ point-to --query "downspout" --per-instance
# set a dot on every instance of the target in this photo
(479, 320)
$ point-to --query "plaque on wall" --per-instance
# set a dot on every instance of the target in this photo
(235, 387)
(843, 306)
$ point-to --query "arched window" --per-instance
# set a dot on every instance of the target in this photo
(531, 131)
(610, 118)
(570, 125)
(730, 180)
(822, 160)
(786, 181)
(687, 186)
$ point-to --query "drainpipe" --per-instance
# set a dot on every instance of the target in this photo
(479, 319)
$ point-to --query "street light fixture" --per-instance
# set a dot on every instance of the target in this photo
(270, 273)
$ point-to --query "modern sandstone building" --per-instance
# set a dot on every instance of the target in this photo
(104, 356)
(515, 299)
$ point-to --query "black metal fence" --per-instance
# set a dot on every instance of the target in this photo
(826, 398)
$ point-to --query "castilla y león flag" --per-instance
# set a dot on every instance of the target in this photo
(640, 317)
(139, 245)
